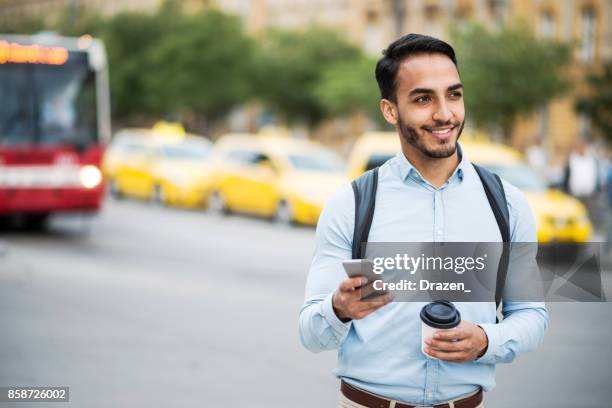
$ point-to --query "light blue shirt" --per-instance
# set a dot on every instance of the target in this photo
(381, 353)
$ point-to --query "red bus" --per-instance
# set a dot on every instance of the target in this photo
(54, 124)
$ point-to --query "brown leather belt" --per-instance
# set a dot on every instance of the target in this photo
(373, 401)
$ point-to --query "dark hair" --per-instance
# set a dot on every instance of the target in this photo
(400, 49)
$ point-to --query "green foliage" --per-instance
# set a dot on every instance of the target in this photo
(290, 65)
(201, 66)
(22, 26)
(508, 73)
(170, 62)
(129, 39)
(599, 104)
(350, 86)
(74, 23)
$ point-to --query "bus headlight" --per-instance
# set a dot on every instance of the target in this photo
(90, 176)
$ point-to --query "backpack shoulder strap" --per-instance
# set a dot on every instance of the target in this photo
(364, 189)
(494, 189)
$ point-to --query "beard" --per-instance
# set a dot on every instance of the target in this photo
(443, 150)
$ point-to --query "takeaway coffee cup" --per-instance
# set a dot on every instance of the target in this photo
(437, 316)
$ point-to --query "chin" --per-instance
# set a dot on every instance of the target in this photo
(442, 150)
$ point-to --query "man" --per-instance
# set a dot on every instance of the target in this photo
(583, 179)
(429, 192)
(581, 173)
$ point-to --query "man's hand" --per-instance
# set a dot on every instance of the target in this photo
(347, 300)
(465, 342)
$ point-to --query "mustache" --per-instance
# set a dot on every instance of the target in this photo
(438, 124)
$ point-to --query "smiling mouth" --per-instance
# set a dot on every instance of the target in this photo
(441, 133)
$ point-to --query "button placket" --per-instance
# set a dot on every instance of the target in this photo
(430, 381)
(438, 217)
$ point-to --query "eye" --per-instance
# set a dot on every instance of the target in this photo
(423, 99)
(456, 94)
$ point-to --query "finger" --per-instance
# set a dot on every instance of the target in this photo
(448, 346)
(451, 335)
(455, 356)
(367, 288)
(354, 299)
(376, 302)
(350, 284)
(360, 314)
(367, 293)
(370, 307)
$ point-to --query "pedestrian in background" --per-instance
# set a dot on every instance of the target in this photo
(582, 179)
(581, 172)
(537, 157)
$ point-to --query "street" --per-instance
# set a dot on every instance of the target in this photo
(156, 307)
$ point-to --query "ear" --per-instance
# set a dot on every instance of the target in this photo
(389, 111)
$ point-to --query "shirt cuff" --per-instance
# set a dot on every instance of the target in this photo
(340, 328)
(492, 332)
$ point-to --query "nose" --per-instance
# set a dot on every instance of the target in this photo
(442, 114)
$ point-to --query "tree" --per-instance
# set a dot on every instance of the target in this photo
(508, 73)
(290, 65)
(350, 86)
(201, 66)
(599, 104)
(129, 38)
(76, 21)
(171, 63)
(25, 25)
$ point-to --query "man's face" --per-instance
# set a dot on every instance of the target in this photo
(429, 111)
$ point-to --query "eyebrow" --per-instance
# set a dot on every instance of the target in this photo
(417, 91)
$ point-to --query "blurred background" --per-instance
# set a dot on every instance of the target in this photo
(163, 163)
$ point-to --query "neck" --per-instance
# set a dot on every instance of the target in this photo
(435, 171)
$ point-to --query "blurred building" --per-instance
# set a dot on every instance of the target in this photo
(50, 11)
(588, 25)
(375, 23)
(372, 24)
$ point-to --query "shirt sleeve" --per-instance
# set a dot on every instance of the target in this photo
(522, 329)
(319, 327)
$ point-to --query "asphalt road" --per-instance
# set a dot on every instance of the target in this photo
(151, 307)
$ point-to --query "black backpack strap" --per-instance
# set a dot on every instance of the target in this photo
(496, 196)
(364, 188)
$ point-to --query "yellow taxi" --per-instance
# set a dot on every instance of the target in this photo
(278, 177)
(163, 165)
(559, 217)
(371, 150)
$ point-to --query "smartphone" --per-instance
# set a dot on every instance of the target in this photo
(364, 267)
(360, 267)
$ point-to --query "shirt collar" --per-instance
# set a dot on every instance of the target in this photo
(408, 170)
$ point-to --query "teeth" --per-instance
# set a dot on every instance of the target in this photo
(440, 132)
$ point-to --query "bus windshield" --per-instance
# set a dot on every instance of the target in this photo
(48, 104)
